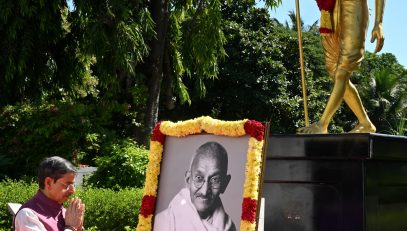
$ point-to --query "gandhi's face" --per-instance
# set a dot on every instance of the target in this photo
(206, 181)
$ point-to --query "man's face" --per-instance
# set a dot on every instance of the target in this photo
(206, 181)
(61, 189)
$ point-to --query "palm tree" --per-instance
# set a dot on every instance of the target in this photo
(293, 19)
(386, 101)
(306, 28)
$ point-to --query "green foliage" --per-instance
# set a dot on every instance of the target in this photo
(77, 132)
(4, 161)
(203, 40)
(75, 83)
(123, 165)
(115, 34)
(374, 62)
(400, 126)
(12, 191)
(38, 55)
(260, 77)
(195, 45)
(105, 209)
(386, 100)
(88, 54)
(111, 210)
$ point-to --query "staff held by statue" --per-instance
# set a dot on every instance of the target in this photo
(304, 87)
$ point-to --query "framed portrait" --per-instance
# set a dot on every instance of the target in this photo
(203, 174)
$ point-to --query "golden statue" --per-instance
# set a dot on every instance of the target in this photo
(343, 30)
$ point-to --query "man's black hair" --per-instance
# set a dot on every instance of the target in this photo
(54, 167)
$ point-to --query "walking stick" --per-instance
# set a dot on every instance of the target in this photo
(304, 87)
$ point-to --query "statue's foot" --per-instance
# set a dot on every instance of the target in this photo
(315, 128)
(364, 128)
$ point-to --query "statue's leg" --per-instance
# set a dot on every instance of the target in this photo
(353, 32)
(340, 84)
(331, 53)
(331, 44)
(354, 102)
(337, 94)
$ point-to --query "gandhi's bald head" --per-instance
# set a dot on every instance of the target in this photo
(214, 151)
(207, 177)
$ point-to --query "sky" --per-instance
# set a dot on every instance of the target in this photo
(394, 23)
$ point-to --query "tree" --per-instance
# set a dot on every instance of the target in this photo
(112, 52)
(382, 83)
(38, 56)
(190, 49)
(259, 79)
(386, 99)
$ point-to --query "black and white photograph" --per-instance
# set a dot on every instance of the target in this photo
(201, 183)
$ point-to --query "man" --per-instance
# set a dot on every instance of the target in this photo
(198, 206)
(344, 50)
(45, 211)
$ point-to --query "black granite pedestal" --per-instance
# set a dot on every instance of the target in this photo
(336, 182)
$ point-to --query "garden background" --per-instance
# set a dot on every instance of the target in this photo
(89, 82)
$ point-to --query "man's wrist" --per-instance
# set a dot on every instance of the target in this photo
(70, 228)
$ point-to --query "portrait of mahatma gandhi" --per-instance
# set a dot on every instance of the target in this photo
(198, 205)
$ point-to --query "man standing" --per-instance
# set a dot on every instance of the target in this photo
(198, 206)
(344, 47)
(45, 211)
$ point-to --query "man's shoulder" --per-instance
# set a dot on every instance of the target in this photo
(27, 217)
(26, 212)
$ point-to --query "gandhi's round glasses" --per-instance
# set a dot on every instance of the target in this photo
(67, 186)
(215, 182)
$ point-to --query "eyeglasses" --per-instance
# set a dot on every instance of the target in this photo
(67, 186)
(215, 182)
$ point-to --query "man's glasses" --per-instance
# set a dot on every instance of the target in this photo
(215, 182)
(67, 186)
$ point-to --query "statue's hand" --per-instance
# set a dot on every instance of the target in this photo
(378, 34)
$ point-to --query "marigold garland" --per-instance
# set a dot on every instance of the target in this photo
(212, 126)
(254, 129)
(147, 205)
(247, 226)
(157, 135)
(249, 209)
(326, 7)
(145, 223)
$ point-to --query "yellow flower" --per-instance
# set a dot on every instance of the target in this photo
(153, 168)
(182, 128)
(226, 128)
(247, 226)
(150, 187)
(144, 223)
(156, 151)
(253, 168)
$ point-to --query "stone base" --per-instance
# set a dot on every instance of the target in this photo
(336, 182)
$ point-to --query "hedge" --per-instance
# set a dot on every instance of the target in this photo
(105, 209)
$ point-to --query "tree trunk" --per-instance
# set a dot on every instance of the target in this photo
(159, 13)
